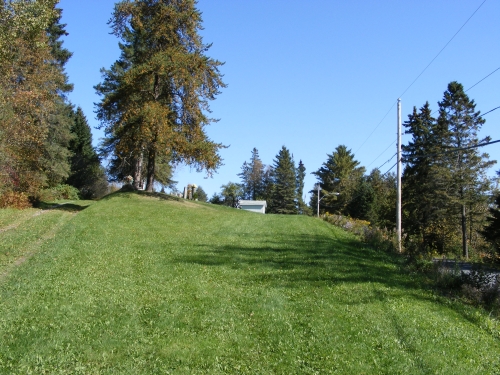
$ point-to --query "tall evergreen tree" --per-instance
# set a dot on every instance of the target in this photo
(252, 177)
(268, 185)
(301, 174)
(284, 199)
(155, 98)
(460, 124)
(424, 178)
(492, 231)
(87, 174)
(339, 174)
(383, 209)
(57, 154)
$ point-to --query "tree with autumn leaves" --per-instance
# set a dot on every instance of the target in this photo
(155, 98)
(30, 77)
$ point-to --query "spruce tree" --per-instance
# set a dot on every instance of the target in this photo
(460, 124)
(87, 174)
(492, 231)
(301, 174)
(252, 177)
(339, 174)
(424, 177)
(284, 199)
(56, 154)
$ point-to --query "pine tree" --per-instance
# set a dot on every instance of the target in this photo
(460, 124)
(252, 177)
(424, 177)
(383, 209)
(284, 199)
(301, 174)
(339, 174)
(87, 174)
(492, 231)
(56, 151)
(268, 185)
(155, 98)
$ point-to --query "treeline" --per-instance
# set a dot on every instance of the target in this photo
(449, 202)
(44, 140)
(281, 184)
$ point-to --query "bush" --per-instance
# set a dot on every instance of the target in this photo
(11, 199)
(380, 239)
(58, 192)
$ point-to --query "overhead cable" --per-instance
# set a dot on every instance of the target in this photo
(442, 49)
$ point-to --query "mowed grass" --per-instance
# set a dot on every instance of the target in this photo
(140, 285)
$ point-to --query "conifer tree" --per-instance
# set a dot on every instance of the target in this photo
(339, 174)
(460, 124)
(423, 179)
(155, 98)
(87, 174)
(492, 231)
(252, 177)
(56, 152)
(284, 199)
(301, 174)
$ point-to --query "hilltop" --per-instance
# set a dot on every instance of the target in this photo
(142, 284)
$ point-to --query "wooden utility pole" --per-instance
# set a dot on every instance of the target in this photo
(398, 209)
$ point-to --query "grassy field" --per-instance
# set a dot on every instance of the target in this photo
(139, 285)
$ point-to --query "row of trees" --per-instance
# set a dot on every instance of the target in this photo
(281, 185)
(369, 197)
(44, 141)
(446, 190)
(448, 198)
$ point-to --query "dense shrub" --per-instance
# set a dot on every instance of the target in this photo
(381, 239)
(11, 199)
(58, 192)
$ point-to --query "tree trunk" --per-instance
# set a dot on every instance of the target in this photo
(465, 250)
(138, 172)
(151, 170)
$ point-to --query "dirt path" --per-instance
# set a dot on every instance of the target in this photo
(32, 248)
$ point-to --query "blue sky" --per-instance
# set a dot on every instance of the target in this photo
(312, 75)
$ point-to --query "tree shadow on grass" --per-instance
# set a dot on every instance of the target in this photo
(306, 260)
(127, 192)
(69, 207)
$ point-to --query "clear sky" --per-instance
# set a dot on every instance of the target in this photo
(312, 75)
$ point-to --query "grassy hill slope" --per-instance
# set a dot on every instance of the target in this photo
(137, 285)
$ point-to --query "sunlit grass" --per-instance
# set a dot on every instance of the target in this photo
(134, 284)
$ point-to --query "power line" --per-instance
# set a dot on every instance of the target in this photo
(392, 157)
(450, 150)
(477, 83)
(381, 154)
(376, 127)
(390, 169)
(442, 49)
(494, 109)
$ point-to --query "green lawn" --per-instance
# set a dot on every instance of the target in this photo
(137, 285)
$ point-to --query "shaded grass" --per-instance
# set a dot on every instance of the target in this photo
(134, 284)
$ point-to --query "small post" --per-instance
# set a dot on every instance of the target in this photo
(398, 209)
(318, 197)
